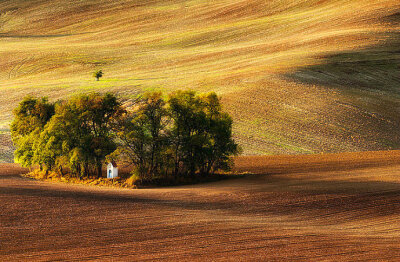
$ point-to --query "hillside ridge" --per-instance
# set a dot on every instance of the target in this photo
(297, 76)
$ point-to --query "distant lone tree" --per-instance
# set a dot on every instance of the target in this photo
(98, 74)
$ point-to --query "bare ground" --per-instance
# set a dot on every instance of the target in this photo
(297, 76)
(337, 207)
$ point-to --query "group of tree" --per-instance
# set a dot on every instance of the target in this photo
(181, 134)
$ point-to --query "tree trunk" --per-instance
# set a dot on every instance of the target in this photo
(99, 168)
(85, 169)
(209, 166)
(78, 170)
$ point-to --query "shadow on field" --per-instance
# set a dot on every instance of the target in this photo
(287, 169)
(278, 195)
(369, 83)
(12, 170)
(291, 164)
(375, 68)
(372, 69)
(9, 176)
(103, 198)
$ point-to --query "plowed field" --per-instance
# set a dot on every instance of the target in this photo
(297, 76)
(343, 207)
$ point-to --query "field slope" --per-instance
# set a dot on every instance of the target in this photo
(298, 76)
(330, 207)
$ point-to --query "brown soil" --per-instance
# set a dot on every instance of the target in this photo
(299, 208)
(297, 76)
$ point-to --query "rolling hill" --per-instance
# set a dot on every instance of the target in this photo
(297, 76)
(322, 207)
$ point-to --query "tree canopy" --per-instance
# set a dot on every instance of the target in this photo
(30, 117)
(81, 130)
(98, 74)
(181, 134)
(78, 133)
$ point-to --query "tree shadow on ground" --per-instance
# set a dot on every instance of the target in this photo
(368, 81)
(376, 68)
(255, 195)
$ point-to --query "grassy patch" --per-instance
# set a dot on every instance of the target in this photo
(91, 181)
(130, 181)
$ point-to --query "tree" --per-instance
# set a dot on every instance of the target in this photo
(82, 133)
(142, 135)
(30, 114)
(184, 135)
(220, 144)
(98, 74)
(187, 131)
(201, 134)
(45, 152)
(30, 117)
(49, 149)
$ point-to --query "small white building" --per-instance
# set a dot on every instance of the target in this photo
(112, 170)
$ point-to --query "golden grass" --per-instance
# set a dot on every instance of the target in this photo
(240, 49)
(119, 182)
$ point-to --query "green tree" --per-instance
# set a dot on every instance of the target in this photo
(184, 135)
(220, 144)
(30, 117)
(98, 74)
(142, 135)
(201, 133)
(187, 131)
(81, 131)
(31, 113)
(48, 148)
(24, 152)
